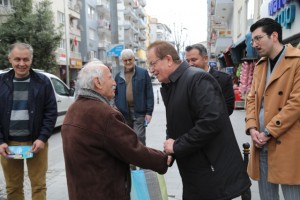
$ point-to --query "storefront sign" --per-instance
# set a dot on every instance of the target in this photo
(75, 63)
(286, 12)
(62, 59)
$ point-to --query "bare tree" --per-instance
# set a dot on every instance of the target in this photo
(180, 37)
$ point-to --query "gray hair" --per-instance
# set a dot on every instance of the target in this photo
(201, 48)
(127, 53)
(22, 46)
(87, 74)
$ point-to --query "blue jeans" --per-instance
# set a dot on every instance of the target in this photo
(270, 191)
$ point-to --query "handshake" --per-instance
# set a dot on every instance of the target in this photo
(168, 149)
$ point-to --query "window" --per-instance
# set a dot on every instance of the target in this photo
(250, 13)
(62, 44)
(60, 17)
(92, 34)
(240, 22)
(4, 2)
(59, 87)
(91, 12)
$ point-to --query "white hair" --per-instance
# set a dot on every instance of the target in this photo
(87, 74)
(127, 53)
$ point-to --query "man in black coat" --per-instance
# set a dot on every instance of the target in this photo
(199, 131)
(196, 56)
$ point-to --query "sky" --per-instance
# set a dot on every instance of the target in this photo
(188, 14)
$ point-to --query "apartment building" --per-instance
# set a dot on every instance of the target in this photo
(132, 21)
(68, 56)
(159, 31)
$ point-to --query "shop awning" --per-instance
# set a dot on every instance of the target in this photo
(238, 51)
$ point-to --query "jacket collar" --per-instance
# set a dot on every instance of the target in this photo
(179, 71)
(122, 72)
(282, 65)
(290, 52)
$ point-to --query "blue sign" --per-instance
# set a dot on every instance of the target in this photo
(115, 51)
(286, 12)
(212, 64)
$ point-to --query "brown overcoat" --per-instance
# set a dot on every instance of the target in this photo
(98, 148)
(281, 117)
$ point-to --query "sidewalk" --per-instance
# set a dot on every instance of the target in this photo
(56, 176)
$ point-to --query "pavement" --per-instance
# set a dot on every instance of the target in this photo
(56, 176)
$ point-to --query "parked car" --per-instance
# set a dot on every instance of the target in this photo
(64, 95)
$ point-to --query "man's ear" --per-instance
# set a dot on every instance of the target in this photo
(97, 83)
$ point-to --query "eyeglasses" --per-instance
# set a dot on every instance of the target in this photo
(257, 39)
(152, 64)
(127, 60)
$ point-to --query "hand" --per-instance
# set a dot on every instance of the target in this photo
(37, 146)
(169, 161)
(258, 138)
(4, 151)
(148, 118)
(168, 146)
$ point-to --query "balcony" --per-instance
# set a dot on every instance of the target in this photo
(224, 9)
(74, 54)
(140, 11)
(142, 24)
(74, 9)
(103, 23)
(74, 31)
(103, 7)
(143, 3)
(142, 36)
(104, 44)
(221, 44)
(129, 13)
(6, 10)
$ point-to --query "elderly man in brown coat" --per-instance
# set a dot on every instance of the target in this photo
(98, 145)
(273, 113)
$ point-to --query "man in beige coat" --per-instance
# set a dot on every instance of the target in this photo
(273, 113)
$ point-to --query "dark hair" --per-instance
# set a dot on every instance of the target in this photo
(269, 26)
(201, 48)
(164, 48)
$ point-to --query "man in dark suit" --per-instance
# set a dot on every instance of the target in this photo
(196, 56)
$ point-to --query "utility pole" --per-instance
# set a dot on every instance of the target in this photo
(114, 27)
(67, 42)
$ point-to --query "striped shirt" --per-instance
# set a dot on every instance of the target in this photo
(19, 118)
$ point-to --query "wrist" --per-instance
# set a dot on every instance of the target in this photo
(250, 129)
(267, 133)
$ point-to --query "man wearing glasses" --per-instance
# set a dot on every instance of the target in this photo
(273, 113)
(199, 131)
(134, 94)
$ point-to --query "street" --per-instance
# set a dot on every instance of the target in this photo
(56, 176)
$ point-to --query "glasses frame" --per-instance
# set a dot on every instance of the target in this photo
(129, 59)
(152, 64)
(257, 39)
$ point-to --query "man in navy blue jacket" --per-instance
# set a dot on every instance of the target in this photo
(28, 113)
(134, 95)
